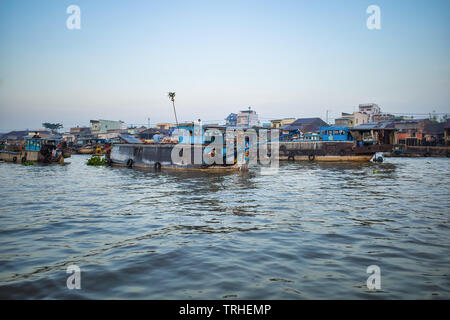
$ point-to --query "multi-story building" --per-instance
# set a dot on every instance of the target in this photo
(383, 117)
(410, 132)
(165, 126)
(281, 122)
(434, 134)
(346, 119)
(247, 118)
(352, 119)
(102, 126)
(231, 120)
(80, 130)
(370, 109)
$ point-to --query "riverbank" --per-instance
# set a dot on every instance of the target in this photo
(420, 151)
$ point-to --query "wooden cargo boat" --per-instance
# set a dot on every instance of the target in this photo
(135, 154)
(87, 149)
(36, 150)
(359, 143)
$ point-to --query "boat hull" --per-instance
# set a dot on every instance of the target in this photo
(329, 158)
(86, 150)
(329, 151)
(159, 156)
(27, 155)
(19, 156)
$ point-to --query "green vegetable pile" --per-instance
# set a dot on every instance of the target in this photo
(28, 163)
(96, 161)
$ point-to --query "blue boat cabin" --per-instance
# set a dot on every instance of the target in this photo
(335, 133)
(33, 144)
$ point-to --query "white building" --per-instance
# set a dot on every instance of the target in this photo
(102, 126)
(247, 118)
(371, 109)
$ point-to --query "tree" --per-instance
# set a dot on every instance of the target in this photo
(54, 127)
(171, 96)
(433, 117)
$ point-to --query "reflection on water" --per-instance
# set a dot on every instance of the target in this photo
(310, 231)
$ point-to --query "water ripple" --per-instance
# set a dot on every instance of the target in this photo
(308, 232)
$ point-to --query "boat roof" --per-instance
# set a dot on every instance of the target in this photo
(381, 125)
(129, 139)
(335, 128)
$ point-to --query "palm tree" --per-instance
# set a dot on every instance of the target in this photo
(171, 96)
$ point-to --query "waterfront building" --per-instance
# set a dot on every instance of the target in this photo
(382, 132)
(433, 134)
(44, 134)
(80, 130)
(370, 109)
(133, 130)
(79, 134)
(102, 126)
(410, 132)
(165, 126)
(383, 117)
(149, 133)
(247, 118)
(281, 122)
(447, 133)
(15, 136)
(112, 133)
(231, 120)
(352, 119)
(304, 125)
(68, 137)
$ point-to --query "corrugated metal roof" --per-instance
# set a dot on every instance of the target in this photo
(305, 124)
(382, 125)
(15, 135)
(303, 121)
(447, 124)
(434, 128)
(129, 139)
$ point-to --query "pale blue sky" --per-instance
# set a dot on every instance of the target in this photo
(283, 58)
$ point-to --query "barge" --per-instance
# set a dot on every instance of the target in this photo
(330, 144)
(36, 150)
(180, 153)
(339, 143)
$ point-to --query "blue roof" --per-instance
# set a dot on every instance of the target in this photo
(129, 139)
(345, 128)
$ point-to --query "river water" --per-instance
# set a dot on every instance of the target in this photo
(308, 232)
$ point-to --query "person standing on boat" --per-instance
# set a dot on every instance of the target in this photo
(156, 137)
